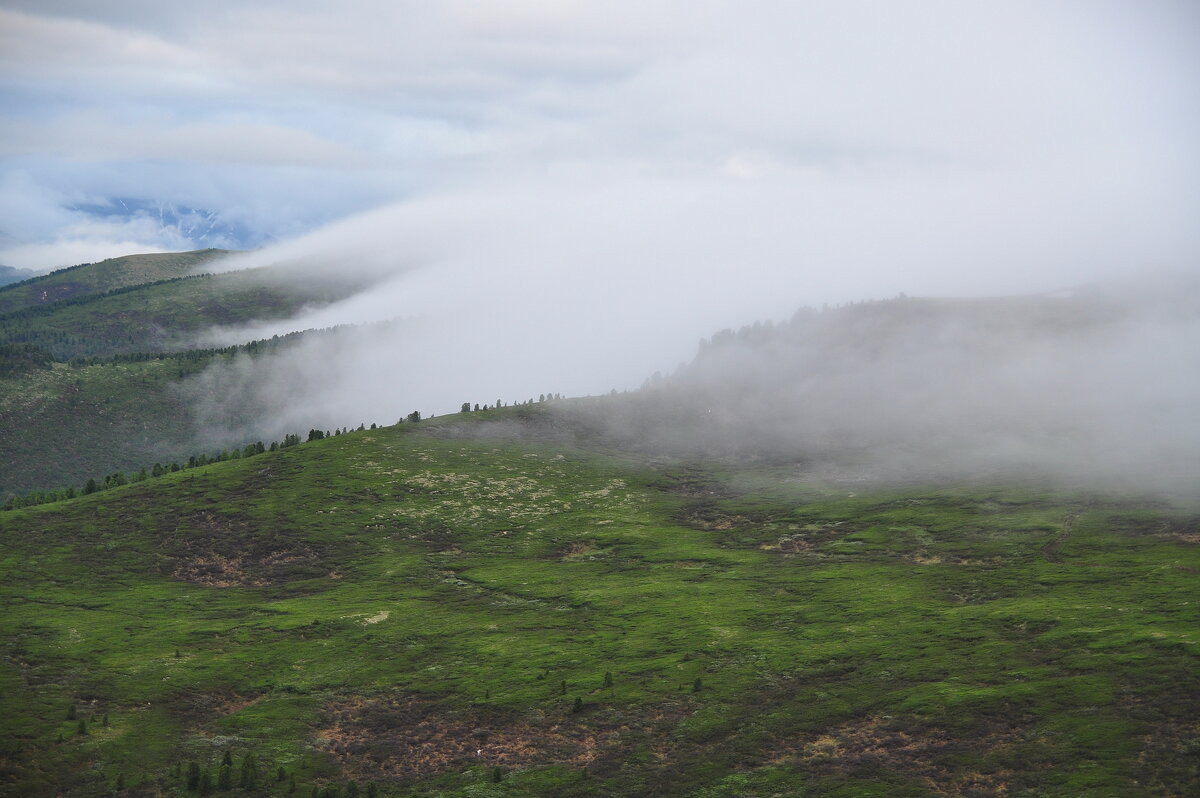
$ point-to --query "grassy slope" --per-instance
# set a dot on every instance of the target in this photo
(106, 275)
(404, 607)
(163, 316)
(64, 425)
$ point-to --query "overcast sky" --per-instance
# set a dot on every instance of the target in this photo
(1064, 116)
(629, 167)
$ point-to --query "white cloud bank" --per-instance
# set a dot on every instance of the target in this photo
(568, 195)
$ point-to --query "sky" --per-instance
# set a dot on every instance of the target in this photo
(572, 179)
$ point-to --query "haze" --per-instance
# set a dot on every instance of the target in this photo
(567, 196)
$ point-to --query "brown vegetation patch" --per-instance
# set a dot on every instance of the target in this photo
(1182, 530)
(214, 705)
(709, 518)
(408, 737)
(1169, 726)
(877, 745)
(222, 550)
(575, 550)
(1168, 760)
(789, 544)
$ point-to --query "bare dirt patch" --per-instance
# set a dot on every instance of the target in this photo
(876, 744)
(224, 550)
(708, 517)
(213, 705)
(577, 550)
(410, 737)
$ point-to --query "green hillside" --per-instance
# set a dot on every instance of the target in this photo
(106, 275)
(435, 609)
(64, 424)
(162, 316)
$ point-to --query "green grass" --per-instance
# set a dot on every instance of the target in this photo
(381, 606)
(65, 425)
(162, 316)
(107, 275)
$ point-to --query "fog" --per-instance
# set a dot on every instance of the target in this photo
(601, 187)
(1094, 389)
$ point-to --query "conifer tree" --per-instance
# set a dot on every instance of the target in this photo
(193, 775)
(248, 777)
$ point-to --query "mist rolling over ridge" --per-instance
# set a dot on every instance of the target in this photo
(1096, 385)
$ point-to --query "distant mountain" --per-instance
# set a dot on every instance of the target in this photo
(8, 275)
(200, 226)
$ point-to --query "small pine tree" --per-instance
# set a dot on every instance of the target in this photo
(563, 687)
(120, 785)
(248, 777)
(227, 760)
(193, 775)
(608, 680)
(81, 729)
(280, 774)
(225, 778)
(578, 705)
(204, 787)
(697, 685)
(497, 774)
(71, 712)
(372, 790)
(104, 720)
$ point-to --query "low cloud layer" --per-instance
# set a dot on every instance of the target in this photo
(566, 197)
(1097, 388)
(283, 117)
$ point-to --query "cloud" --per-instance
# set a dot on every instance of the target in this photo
(567, 196)
(227, 142)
